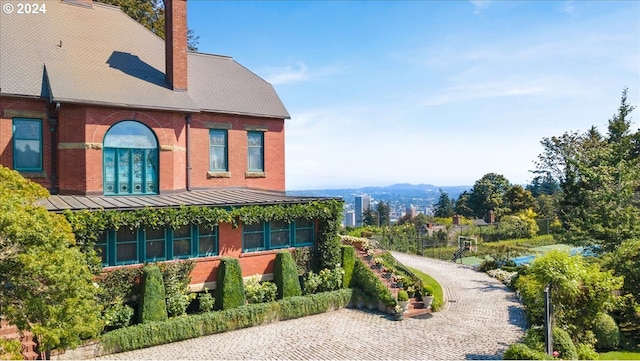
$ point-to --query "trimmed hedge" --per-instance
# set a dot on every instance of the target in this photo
(520, 351)
(607, 332)
(285, 276)
(348, 262)
(192, 326)
(152, 305)
(229, 291)
(562, 343)
(367, 281)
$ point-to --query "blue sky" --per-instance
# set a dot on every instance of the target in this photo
(439, 92)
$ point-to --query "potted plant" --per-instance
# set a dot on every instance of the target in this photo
(370, 254)
(411, 291)
(399, 281)
(427, 297)
(403, 299)
(397, 313)
(377, 262)
(388, 271)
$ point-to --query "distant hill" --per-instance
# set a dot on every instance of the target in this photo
(399, 195)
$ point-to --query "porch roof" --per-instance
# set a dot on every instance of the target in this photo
(204, 198)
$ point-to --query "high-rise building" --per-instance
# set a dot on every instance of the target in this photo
(349, 218)
(362, 203)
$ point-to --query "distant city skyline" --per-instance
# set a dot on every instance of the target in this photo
(440, 92)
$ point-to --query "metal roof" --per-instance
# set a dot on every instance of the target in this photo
(207, 198)
(98, 55)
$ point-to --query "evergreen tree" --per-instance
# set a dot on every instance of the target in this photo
(444, 206)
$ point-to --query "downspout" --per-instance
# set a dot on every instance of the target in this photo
(52, 122)
(187, 120)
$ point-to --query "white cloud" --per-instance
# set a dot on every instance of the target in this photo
(480, 5)
(568, 7)
(288, 74)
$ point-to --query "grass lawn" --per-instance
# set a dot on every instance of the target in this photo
(620, 355)
(438, 295)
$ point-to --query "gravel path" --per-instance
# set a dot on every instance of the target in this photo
(481, 318)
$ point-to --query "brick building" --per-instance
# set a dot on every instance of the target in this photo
(108, 116)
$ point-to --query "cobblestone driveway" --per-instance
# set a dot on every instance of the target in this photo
(479, 321)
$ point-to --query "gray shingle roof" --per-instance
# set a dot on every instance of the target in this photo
(99, 55)
(210, 198)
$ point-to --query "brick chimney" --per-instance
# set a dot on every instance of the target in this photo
(176, 44)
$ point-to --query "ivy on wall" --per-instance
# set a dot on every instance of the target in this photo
(89, 225)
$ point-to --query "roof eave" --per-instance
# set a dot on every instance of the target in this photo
(124, 105)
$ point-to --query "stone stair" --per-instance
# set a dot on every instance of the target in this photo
(415, 307)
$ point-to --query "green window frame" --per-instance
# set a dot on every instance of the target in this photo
(130, 159)
(253, 237)
(182, 242)
(126, 246)
(155, 244)
(304, 232)
(255, 151)
(218, 150)
(277, 234)
(27, 144)
(207, 241)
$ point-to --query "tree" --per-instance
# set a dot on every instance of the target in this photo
(543, 184)
(444, 206)
(599, 177)
(518, 199)
(462, 205)
(368, 218)
(150, 14)
(488, 194)
(47, 286)
(384, 212)
(579, 291)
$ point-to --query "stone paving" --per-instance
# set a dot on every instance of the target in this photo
(479, 321)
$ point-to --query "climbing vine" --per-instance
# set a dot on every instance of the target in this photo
(89, 225)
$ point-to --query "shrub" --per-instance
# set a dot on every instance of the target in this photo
(229, 285)
(563, 344)
(285, 276)
(10, 349)
(192, 326)
(367, 281)
(403, 295)
(534, 339)
(607, 332)
(152, 305)
(330, 280)
(489, 264)
(206, 301)
(520, 351)
(348, 262)
(176, 277)
(256, 292)
(117, 315)
(586, 352)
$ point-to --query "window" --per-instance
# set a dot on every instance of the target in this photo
(27, 144)
(255, 151)
(207, 240)
(182, 242)
(253, 237)
(218, 150)
(130, 159)
(277, 234)
(304, 232)
(154, 245)
(126, 246)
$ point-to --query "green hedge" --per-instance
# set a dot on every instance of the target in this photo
(192, 326)
(562, 343)
(520, 351)
(607, 333)
(348, 262)
(365, 279)
(285, 276)
(152, 305)
(229, 284)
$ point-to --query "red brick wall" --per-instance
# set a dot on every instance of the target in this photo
(81, 131)
(27, 108)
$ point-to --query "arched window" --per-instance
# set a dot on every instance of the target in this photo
(130, 159)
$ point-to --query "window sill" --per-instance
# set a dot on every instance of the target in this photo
(255, 174)
(265, 252)
(218, 174)
(31, 174)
